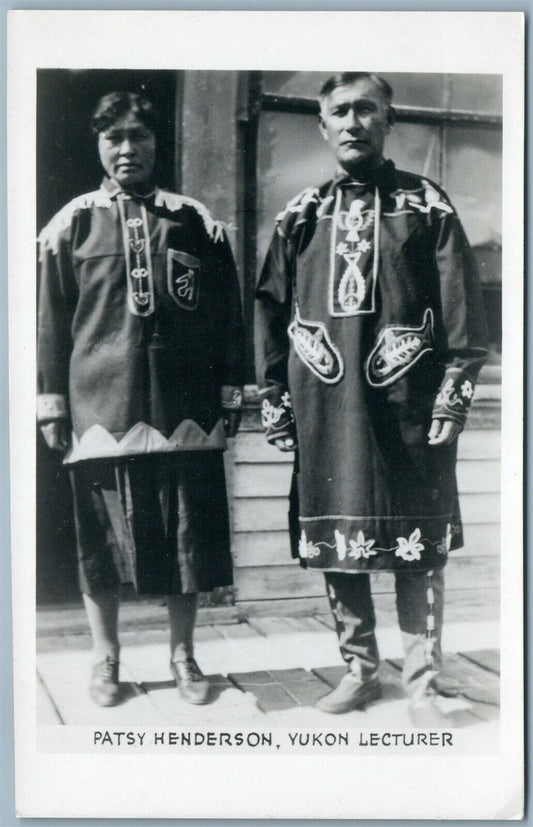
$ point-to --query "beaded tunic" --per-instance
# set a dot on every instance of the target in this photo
(370, 324)
(140, 331)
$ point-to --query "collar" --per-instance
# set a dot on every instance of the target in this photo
(382, 178)
(113, 189)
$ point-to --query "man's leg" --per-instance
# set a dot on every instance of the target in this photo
(192, 685)
(420, 605)
(351, 603)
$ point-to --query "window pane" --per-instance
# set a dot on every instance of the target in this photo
(476, 93)
(299, 84)
(415, 148)
(411, 88)
(291, 156)
(417, 89)
(474, 181)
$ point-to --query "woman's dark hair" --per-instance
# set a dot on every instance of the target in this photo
(115, 105)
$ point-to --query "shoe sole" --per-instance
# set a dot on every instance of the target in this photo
(106, 702)
(375, 695)
(195, 701)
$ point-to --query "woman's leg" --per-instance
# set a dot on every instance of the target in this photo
(182, 618)
(192, 685)
(102, 614)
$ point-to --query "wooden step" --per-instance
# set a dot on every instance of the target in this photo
(274, 479)
(266, 582)
(270, 514)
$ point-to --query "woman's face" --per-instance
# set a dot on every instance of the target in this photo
(128, 151)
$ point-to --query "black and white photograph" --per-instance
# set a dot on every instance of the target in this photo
(272, 513)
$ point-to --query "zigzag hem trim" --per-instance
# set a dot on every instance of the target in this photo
(98, 443)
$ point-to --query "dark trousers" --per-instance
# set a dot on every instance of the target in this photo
(419, 603)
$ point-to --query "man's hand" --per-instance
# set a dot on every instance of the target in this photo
(56, 434)
(286, 443)
(443, 431)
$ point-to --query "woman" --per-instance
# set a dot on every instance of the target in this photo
(140, 356)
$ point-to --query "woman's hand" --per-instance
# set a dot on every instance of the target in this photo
(56, 434)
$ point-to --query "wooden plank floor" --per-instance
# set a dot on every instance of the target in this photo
(266, 672)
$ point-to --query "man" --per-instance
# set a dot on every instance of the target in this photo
(370, 336)
(140, 367)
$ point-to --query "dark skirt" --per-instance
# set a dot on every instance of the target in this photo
(158, 521)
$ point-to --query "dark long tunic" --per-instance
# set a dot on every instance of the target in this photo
(370, 324)
(141, 347)
(140, 330)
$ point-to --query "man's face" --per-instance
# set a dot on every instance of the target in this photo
(355, 119)
(127, 151)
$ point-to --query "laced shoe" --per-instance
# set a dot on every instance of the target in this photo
(192, 685)
(104, 687)
(351, 693)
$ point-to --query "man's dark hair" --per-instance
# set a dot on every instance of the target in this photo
(345, 78)
(115, 105)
